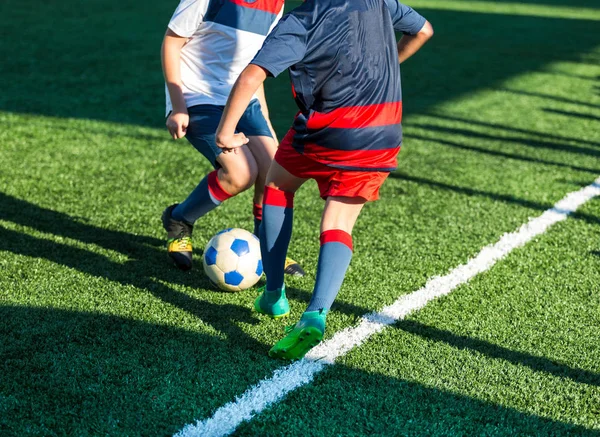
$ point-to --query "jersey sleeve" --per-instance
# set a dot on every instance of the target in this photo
(188, 16)
(284, 47)
(279, 15)
(404, 18)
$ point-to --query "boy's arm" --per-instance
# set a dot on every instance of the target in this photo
(410, 44)
(262, 99)
(416, 29)
(244, 88)
(178, 119)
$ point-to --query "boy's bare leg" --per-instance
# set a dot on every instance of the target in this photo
(281, 179)
(341, 213)
(237, 172)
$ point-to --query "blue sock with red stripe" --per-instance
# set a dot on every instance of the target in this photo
(257, 212)
(334, 259)
(275, 235)
(206, 196)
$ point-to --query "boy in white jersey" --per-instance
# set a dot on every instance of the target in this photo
(207, 45)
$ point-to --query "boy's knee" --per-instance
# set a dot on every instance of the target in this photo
(238, 181)
(238, 172)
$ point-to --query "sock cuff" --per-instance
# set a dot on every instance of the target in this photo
(215, 188)
(337, 236)
(257, 211)
(275, 197)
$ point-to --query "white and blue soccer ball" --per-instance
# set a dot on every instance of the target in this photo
(232, 259)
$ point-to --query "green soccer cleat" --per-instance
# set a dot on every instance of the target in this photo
(302, 337)
(276, 309)
(179, 239)
(292, 268)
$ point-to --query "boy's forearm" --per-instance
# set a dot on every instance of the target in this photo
(262, 99)
(170, 56)
(245, 87)
(410, 44)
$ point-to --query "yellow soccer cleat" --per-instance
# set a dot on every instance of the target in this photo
(292, 268)
(179, 239)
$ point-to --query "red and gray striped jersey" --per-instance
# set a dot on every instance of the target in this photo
(343, 64)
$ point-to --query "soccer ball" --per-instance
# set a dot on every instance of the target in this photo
(232, 260)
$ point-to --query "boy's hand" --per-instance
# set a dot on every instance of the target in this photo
(230, 143)
(177, 123)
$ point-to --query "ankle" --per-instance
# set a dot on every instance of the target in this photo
(274, 295)
(317, 314)
(316, 319)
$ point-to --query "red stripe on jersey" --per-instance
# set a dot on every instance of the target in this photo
(353, 117)
(336, 236)
(275, 197)
(215, 188)
(272, 6)
(375, 159)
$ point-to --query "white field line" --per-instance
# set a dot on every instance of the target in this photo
(286, 379)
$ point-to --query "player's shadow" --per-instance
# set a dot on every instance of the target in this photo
(528, 142)
(356, 402)
(116, 76)
(492, 152)
(536, 363)
(148, 272)
(569, 3)
(495, 196)
(572, 75)
(147, 253)
(92, 372)
(500, 127)
(585, 116)
(558, 99)
(79, 372)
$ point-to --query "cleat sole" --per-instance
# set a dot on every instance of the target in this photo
(181, 261)
(308, 338)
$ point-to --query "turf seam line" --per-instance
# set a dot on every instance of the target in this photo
(286, 379)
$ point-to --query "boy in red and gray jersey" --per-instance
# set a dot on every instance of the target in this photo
(344, 66)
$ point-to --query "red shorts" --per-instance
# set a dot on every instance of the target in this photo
(331, 181)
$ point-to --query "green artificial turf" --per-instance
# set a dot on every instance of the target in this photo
(100, 335)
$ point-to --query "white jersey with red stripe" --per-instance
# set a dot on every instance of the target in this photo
(222, 38)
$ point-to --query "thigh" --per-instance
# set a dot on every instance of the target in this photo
(238, 168)
(263, 148)
(278, 177)
(204, 120)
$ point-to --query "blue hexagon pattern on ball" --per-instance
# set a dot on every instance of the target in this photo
(210, 256)
(232, 259)
(240, 247)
